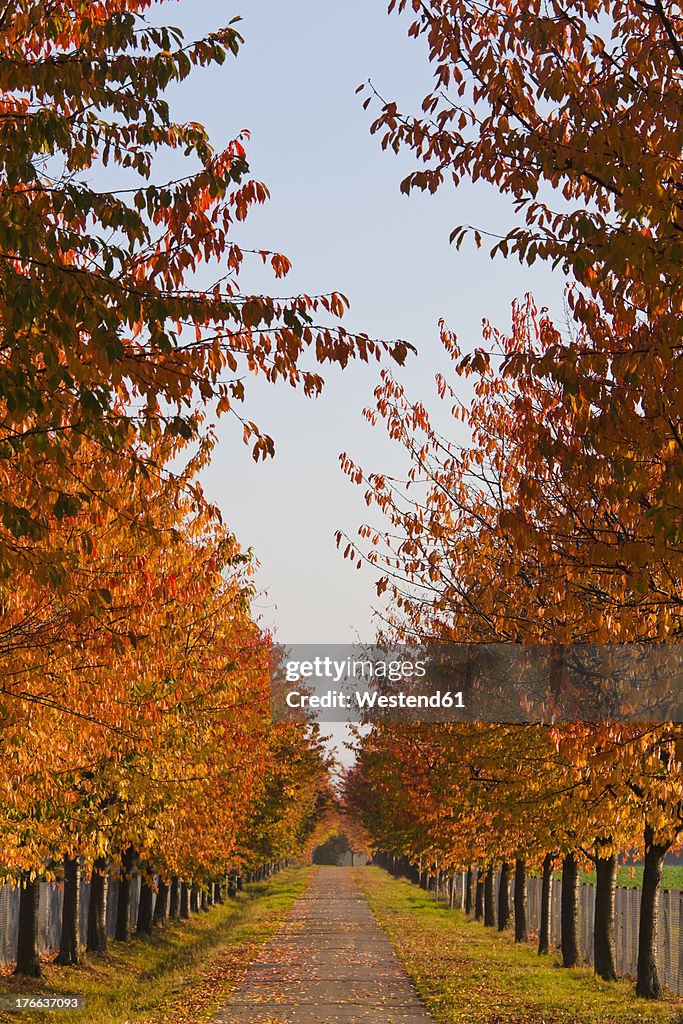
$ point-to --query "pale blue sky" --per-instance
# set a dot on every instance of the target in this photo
(336, 211)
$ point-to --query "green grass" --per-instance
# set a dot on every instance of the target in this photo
(178, 976)
(632, 877)
(468, 974)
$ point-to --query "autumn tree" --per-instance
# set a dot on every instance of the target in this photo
(563, 96)
(129, 655)
(137, 720)
(560, 107)
(572, 110)
(105, 325)
(516, 534)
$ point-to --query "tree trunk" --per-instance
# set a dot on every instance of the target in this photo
(194, 899)
(489, 903)
(123, 902)
(521, 926)
(97, 908)
(648, 984)
(71, 914)
(204, 900)
(28, 959)
(174, 905)
(603, 926)
(468, 891)
(504, 897)
(184, 901)
(479, 897)
(571, 955)
(218, 892)
(145, 908)
(546, 891)
(159, 918)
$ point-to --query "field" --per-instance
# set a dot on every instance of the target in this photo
(632, 877)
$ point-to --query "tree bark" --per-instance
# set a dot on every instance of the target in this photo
(69, 943)
(603, 924)
(123, 901)
(479, 897)
(468, 891)
(174, 905)
(28, 958)
(159, 918)
(194, 898)
(97, 908)
(648, 984)
(521, 925)
(145, 909)
(571, 955)
(504, 897)
(184, 901)
(489, 902)
(546, 891)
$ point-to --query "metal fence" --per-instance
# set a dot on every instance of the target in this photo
(626, 921)
(50, 915)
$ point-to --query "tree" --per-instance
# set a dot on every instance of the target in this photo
(569, 96)
(107, 332)
(168, 680)
(518, 535)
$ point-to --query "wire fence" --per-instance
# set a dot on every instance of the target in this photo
(51, 898)
(626, 923)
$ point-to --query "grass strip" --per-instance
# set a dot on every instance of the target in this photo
(179, 975)
(469, 974)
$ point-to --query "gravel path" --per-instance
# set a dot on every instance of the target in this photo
(329, 962)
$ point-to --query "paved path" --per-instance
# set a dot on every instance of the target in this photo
(329, 962)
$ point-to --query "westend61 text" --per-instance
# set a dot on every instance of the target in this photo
(372, 699)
